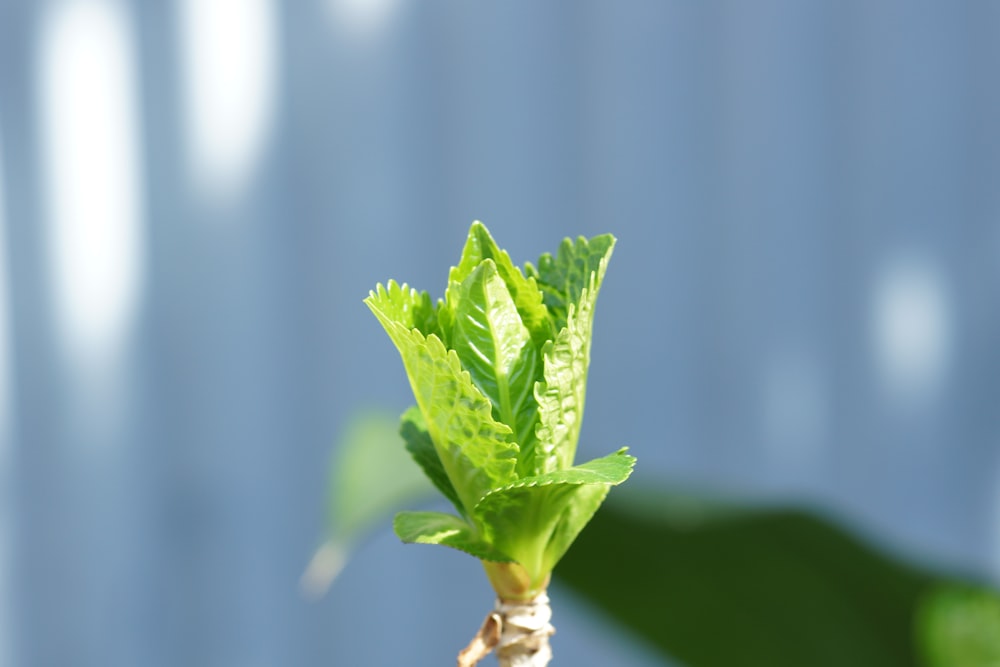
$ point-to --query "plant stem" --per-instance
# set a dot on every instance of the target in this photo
(518, 630)
(525, 632)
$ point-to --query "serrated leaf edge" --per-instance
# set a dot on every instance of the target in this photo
(533, 481)
(488, 551)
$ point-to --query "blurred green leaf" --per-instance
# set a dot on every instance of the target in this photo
(715, 586)
(371, 476)
(959, 626)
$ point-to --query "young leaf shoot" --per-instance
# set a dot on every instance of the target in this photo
(498, 368)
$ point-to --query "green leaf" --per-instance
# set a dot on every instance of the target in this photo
(496, 348)
(472, 446)
(535, 519)
(563, 278)
(562, 395)
(406, 306)
(573, 280)
(959, 626)
(421, 448)
(445, 529)
(711, 585)
(523, 290)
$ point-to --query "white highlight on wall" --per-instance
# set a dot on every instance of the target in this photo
(230, 56)
(91, 144)
(362, 18)
(912, 328)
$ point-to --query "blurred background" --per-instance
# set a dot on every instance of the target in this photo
(196, 195)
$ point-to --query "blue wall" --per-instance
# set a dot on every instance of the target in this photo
(802, 304)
